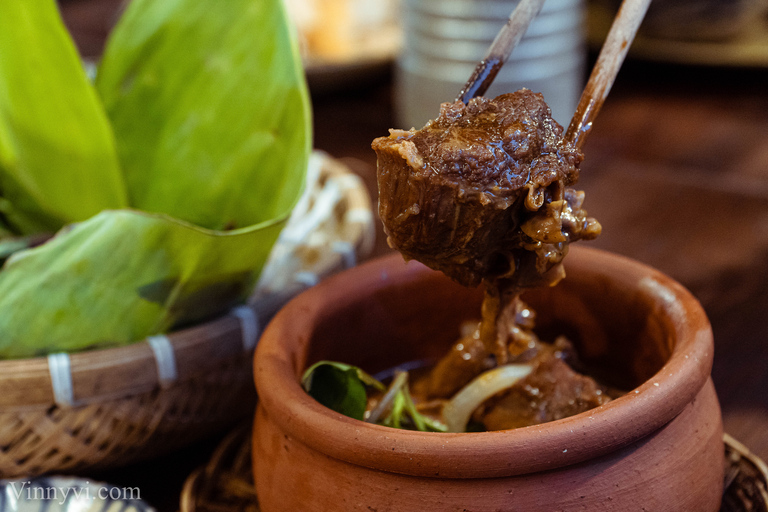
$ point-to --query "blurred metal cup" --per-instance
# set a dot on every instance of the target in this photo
(445, 39)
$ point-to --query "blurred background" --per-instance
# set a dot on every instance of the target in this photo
(676, 168)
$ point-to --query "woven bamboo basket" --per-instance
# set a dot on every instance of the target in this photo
(105, 408)
(225, 483)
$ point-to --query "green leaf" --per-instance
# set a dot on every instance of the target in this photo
(404, 413)
(420, 421)
(121, 276)
(395, 417)
(223, 135)
(58, 162)
(410, 408)
(11, 244)
(5, 231)
(340, 387)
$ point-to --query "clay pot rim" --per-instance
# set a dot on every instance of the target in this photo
(486, 454)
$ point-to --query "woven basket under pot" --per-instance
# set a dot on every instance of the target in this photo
(106, 408)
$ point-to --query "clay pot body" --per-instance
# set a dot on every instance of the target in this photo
(658, 448)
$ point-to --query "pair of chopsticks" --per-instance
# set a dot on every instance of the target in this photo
(604, 73)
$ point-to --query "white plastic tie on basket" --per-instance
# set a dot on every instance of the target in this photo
(308, 279)
(347, 252)
(61, 379)
(249, 325)
(165, 358)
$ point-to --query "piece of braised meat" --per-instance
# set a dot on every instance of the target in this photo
(480, 193)
(552, 392)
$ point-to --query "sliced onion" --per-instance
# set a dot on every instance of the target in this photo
(459, 409)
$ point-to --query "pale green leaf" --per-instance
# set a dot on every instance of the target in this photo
(58, 161)
(223, 135)
(123, 275)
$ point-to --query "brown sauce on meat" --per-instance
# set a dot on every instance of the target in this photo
(552, 392)
(483, 193)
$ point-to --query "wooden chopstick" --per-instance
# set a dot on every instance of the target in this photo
(606, 68)
(499, 51)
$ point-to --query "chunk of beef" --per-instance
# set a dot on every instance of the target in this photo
(551, 392)
(481, 192)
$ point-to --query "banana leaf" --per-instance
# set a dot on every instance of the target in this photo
(58, 161)
(224, 132)
(120, 276)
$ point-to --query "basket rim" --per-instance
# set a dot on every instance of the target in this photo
(27, 382)
(109, 373)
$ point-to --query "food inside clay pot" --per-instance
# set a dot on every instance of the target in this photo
(482, 193)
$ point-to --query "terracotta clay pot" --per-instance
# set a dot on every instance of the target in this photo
(658, 448)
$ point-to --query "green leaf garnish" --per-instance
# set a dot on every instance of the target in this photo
(404, 414)
(340, 387)
(395, 417)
